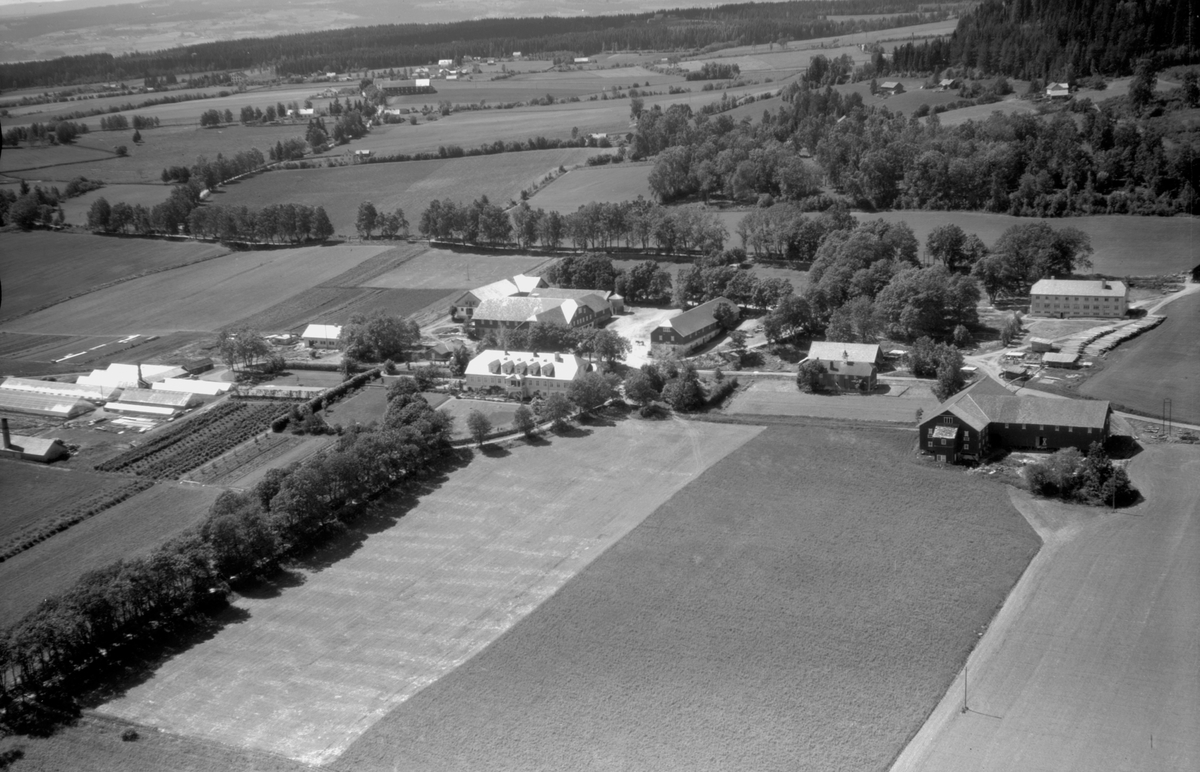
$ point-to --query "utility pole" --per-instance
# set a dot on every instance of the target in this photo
(964, 707)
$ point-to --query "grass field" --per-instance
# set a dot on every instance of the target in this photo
(25, 485)
(41, 267)
(317, 660)
(1010, 106)
(1169, 353)
(780, 612)
(130, 528)
(364, 407)
(1125, 245)
(1095, 651)
(202, 297)
(779, 396)
(31, 162)
(75, 210)
(623, 182)
(159, 148)
(409, 186)
(439, 268)
(499, 413)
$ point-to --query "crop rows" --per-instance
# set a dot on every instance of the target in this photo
(193, 443)
(241, 461)
(68, 515)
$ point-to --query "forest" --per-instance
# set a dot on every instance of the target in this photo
(391, 45)
(1057, 40)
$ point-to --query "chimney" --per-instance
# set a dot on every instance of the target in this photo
(141, 383)
(7, 436)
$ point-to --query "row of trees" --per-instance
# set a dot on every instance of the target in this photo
(55, 133)
(605, 345)
(244, 535)
(370, 219)
(122, 122)
(29, 208)
(273, 224)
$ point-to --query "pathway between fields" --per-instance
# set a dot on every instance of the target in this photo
(1092, 663)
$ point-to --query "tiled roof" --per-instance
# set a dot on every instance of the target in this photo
(830, 351)
(561, 292)
(508, 309)
(1079, 287)
(560, 367)
(691, 322)
(990, 402)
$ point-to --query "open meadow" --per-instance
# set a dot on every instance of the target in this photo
(409, 186)
(148, 194)
(130, 528)
(1170, 353)
(499, 413)
(605, 184)
(363, 626)
(40, 267)
(800, 605)
(202, 297)
(366, 406)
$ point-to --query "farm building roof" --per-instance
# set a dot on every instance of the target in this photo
(322, 332)
(691, 322)
(133, 407)
(988, 401)
(36, 448)
(43, 404)
(211, 388)
(514, 309)
(521, 364)
(1062, 358)
(861, 369)
(175, 399)
(505, 288)
(82, 391)
(1080, 288)
(833, 351)
(126, 376)
(563, 292)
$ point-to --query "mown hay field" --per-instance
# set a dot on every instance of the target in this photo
(364, 407)
(41, 267)
(438, 268)
(608, 184)
(370, 623)
(202, 297)
(32, 161)
(1161, 364)
(132, 527)
(803, 604)
(1125, 245)
(26, 487)
(75, 210)
(409, 186)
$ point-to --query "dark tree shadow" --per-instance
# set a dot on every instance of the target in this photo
(495, 451)
(272, 586)
(572, 432)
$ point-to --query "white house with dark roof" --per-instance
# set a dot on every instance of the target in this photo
(1072, 298)
(847, 365)
(1058, 90)
(523, 374)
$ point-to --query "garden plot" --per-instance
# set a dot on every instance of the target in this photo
(780, 396)
(202, 297)
(310, 670)
(801, 605)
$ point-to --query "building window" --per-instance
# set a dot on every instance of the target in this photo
(943, 442)
(948, 420)
(1041, 442)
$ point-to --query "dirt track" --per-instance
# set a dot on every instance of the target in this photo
(1093, 663)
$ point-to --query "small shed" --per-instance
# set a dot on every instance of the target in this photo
(617, 302)
(1064, 359)
(1041, 345)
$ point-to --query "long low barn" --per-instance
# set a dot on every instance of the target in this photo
(93, 393)
(43, 404)
(207, 388)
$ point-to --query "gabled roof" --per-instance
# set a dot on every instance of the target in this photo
(322, 331)
(1081, 287)
(833, 351)
(520, 364)
(505, 288)
(862, 369)
(37, 447)
(512, 309)
(526, 283)
(691, 322)
(987, 401)
(562, 292)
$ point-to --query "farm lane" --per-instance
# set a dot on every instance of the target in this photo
(309, 671)
(1092, 662)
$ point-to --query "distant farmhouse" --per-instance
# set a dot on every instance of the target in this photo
(891, 88)
(1069, 298)
(847, 365)
(1058, 90)
(947, 84)
(987, 417)
(322, 336)
(689, 330)
(523, 374)
(405, 87)
(524, 300)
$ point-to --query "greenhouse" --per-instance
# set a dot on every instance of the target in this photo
(130, 407)
(126, 376)
(209, 388)
(84, 391)
(43, 404)
(179, 400)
